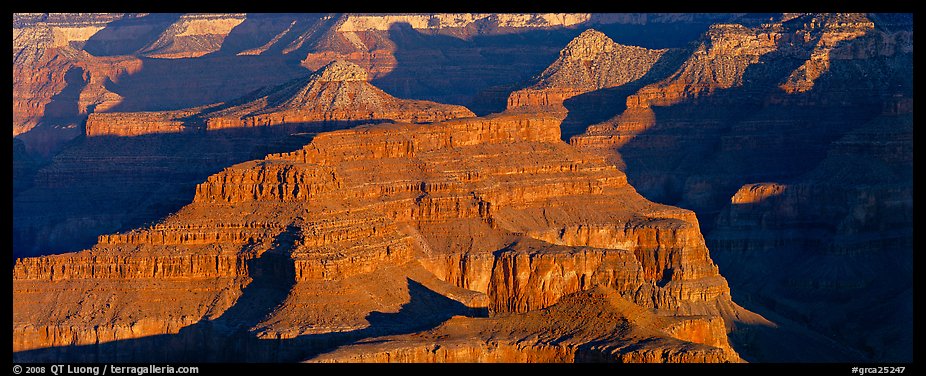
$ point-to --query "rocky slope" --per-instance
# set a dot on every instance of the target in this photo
(591, 80)
(66, 66)
(399, 227)
(136, 167)
(164, 61)
(590, 62)
(721, 61)
(747, 76)
(620, 330)
(338, 92)
(193, 35)
(76, 74)
(753, 131)
(790, 138)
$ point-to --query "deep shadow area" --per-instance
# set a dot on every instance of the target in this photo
(600, 105)
(25, 165)
(709, 138)
(480, 71)
(62, 120)
(129, 35)
(106, 184)
(273, 275)
(65, 103)
(228, 338)
(452, 70)
(259, 29)
(171, 84)
(700, 152)
(788, 343)
(654, 35)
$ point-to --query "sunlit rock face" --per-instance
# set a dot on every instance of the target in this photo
(125, 155)
(485, 214)
(396, 187)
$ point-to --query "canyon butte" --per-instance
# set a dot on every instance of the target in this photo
(462, 188)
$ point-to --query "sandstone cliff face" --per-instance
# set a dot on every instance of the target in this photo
(348, 221)
(66, 66)
(135, 124)
(55, 82)
(37, 73)
(482, 56)
(748, 75)
(126, 157)
(722, 59)
(788, 103)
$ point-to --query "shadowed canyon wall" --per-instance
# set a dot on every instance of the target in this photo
(791, 140)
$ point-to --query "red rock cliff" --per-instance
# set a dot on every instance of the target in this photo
(372, 205)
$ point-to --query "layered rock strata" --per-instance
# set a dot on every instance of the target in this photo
(127, 156)
(164, 61)
(590, 62)
(721, 61)
(338, 92)
(473, 213)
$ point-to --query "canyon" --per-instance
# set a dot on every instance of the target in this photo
(70, 65)
(484, 212)
(127, 156)
(791, 140)
(462, 188)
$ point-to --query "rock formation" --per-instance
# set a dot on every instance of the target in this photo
(127, 155)
(197, 59)
(193, 35)
(590, 62)
(55, 83)
(753, 131)
(735, 68)
(141, 147)
(721, 62)
(481, 57)
(338, 92)
(491, 213)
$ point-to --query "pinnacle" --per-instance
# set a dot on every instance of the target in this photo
(592, 34)
(340, 70)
